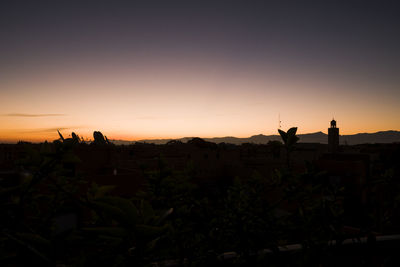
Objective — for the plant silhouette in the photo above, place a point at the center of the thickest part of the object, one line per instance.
(289, 139)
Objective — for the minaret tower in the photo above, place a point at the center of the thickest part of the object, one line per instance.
(333, 137)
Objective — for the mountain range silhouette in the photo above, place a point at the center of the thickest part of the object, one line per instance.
(318, 137)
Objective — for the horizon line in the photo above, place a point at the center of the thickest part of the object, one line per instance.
(186, 137)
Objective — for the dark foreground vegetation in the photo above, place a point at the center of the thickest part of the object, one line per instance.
(51, 214)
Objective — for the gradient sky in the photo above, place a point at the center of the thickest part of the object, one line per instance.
(169, 69)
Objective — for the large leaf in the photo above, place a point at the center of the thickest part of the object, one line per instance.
(108, 231)
(111, 211)
(292, 131)
(28, 247)
(164, 215)
(34, 239)
(62, 137)
(147, 211)
(289, 137)
(75, 138)
(150, 231)
(292, 139)
(283, 135)
(130, 212)
(101, 191)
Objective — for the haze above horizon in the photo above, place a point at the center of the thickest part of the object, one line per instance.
(161, 69)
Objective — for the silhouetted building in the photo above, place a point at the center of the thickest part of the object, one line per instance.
(333, 137)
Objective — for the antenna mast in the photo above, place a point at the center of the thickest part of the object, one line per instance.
(279, 120)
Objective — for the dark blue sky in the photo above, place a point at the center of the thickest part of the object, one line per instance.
(317, 34)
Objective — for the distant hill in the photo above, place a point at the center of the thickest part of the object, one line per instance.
(379, 137)
(318, 137)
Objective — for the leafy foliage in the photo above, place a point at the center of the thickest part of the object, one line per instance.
(52, 215)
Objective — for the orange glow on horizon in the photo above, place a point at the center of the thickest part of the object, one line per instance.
(174, 101)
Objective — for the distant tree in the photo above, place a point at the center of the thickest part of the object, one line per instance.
(100, 139)
(174, 142)
(198, 142)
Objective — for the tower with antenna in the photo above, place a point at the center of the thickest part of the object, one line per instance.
(333, 137)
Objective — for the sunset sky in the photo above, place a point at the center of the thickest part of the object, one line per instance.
(170, 69)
